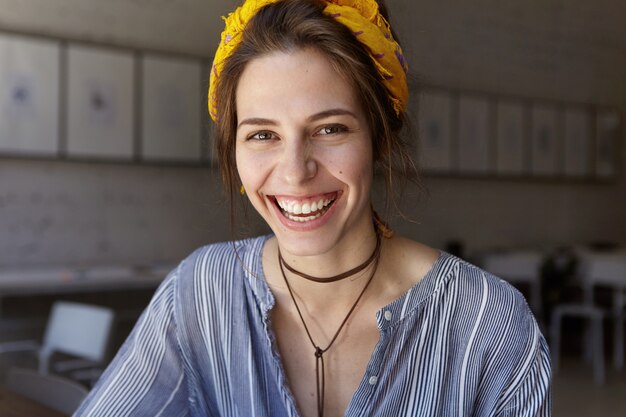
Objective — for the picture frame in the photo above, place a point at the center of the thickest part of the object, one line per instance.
(435, 131)
(171, 109)
(608, 126)
(29, 96)
(577, 140)
(101, 103)
(545, 137)
(474, 135)
(511, 138)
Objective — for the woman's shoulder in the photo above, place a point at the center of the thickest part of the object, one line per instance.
(218, 264)
(216, 256)
(475, 301)
(487, 309)
(489, 291)
(442, 276)
(476, 293)
(215, 279)
(499, 329)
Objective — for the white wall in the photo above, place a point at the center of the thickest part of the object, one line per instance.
(58, 212)
(570, 51)
(188, 26)
(80, 213)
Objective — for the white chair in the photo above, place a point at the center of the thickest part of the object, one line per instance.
(608, 270)
(619, 317)
(55, 392)
(519, 267)
(80, 330)
(596, 269)
(594, 341)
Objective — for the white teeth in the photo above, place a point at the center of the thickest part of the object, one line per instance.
(303, 219)
(292, 208)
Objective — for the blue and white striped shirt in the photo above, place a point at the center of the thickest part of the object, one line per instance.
(459, 343)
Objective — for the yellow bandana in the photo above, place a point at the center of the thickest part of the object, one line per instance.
(362, 17)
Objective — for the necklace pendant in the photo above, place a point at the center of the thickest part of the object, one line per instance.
(318, 352)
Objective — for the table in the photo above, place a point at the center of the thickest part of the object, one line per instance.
(40, 281)
(15, 405)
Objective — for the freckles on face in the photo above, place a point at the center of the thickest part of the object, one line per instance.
(252, 167)
(303, 148)
(285, 95)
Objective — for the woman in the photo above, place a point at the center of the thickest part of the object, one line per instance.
(331, 315)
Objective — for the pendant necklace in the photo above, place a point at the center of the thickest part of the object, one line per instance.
(318, 351)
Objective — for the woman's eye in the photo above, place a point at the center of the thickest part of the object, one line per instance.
(262, 136)
(331, 130)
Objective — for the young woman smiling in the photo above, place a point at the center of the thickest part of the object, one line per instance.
(332, 314)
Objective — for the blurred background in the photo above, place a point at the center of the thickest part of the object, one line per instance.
(107, 177)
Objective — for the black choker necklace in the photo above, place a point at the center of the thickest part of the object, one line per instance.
(318, 351)
(338, 277)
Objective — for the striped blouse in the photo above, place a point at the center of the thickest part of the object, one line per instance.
(459, 343)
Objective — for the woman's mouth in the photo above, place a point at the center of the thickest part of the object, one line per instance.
(305, 210)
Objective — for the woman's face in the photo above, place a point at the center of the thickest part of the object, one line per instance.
(304, 152)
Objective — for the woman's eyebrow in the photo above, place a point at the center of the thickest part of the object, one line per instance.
(255, 121)
(330, 112)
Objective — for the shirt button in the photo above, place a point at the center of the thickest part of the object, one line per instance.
(373, 380)
(388, 315)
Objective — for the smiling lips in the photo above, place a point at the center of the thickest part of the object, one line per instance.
(305, 210)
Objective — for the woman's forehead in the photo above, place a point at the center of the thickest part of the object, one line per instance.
(299, 81)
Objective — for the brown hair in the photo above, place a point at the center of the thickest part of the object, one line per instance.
(297, 24)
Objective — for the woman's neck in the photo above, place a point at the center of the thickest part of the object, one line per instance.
(326, 307)
(324, 265)
(344, 256)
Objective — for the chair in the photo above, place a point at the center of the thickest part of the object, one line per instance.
(58, 393)
(75, 329)
(609, 270)
(594, 341)
(619, 317)
(597, 269)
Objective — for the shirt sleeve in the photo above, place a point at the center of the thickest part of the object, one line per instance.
(532, 397)
(147, 376)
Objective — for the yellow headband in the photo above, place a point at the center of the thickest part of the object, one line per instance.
(362, 17)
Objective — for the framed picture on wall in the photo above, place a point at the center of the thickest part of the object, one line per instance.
(435, 131)
(474, 135)
(171, 109)
(606, 143)
(29, 95)
(510, 137)
(544, 140)
(100, 113)
(577, 139)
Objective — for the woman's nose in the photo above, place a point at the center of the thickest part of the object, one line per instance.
(297, 163)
